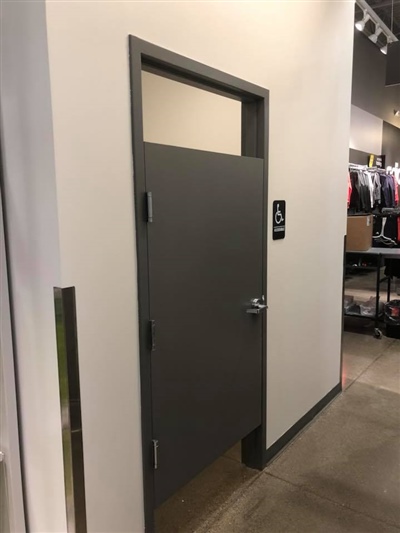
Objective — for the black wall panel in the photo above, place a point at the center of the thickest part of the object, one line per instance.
(358, 157)
(393, 64)
(369, 76)
(391, 144)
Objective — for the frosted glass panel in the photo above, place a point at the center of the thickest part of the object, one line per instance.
(181, 115)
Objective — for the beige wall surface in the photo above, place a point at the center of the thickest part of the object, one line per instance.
(302, 53)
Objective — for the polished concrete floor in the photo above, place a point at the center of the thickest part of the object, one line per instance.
(341, 474)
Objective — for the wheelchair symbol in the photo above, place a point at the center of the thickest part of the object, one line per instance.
(278, 216)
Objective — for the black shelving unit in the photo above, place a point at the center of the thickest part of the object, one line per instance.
(379, 254)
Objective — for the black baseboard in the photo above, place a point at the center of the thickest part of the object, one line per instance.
(300, 424)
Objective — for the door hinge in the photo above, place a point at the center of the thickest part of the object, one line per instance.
(155, 454)
(149, 200)
(153, 335)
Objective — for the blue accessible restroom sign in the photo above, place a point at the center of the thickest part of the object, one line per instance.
(278, 219)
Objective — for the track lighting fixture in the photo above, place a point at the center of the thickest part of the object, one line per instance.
(381, 29)
(360, 25)
(374, 36)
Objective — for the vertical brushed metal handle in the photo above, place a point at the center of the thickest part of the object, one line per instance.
(70, 400)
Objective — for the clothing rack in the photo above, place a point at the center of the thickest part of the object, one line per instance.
(354, 166)
(372, 191)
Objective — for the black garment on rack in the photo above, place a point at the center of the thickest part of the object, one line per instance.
(355, 202)
(390, 230)
(365, 194)
(360, 200)
(388, 193)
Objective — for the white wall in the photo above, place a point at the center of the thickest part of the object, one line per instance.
(12, 518)
(287, 47)
(30, 194)
(306, 63)
(366, 131)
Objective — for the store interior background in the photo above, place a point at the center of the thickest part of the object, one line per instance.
(68, 154)
(374, 127)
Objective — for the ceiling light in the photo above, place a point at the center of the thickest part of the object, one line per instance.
(385, 48)
(360, 25)
(374, 36)
(397, 112)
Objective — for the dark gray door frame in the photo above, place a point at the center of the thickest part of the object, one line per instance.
(147, 57)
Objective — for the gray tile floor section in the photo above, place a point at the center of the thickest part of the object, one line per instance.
(341, 474)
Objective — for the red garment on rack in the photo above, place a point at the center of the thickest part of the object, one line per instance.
(398, 230)
(396, 197)
(396, 190)
(349, 189)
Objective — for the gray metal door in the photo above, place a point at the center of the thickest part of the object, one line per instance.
(205, 247)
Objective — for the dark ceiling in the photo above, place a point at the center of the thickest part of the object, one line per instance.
(383, 8)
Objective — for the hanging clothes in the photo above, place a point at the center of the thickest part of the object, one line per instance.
(376, 181)
(387, 190)
(361, 200)
(373, 190)
(355, 199)
(396, 200)
(396, 172)
(349, 189)
(370, 185)
(396, 190)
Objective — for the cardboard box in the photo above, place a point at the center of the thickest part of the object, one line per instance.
(359, 233)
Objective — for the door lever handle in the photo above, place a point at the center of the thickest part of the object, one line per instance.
(256, 310)
(257, 306)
